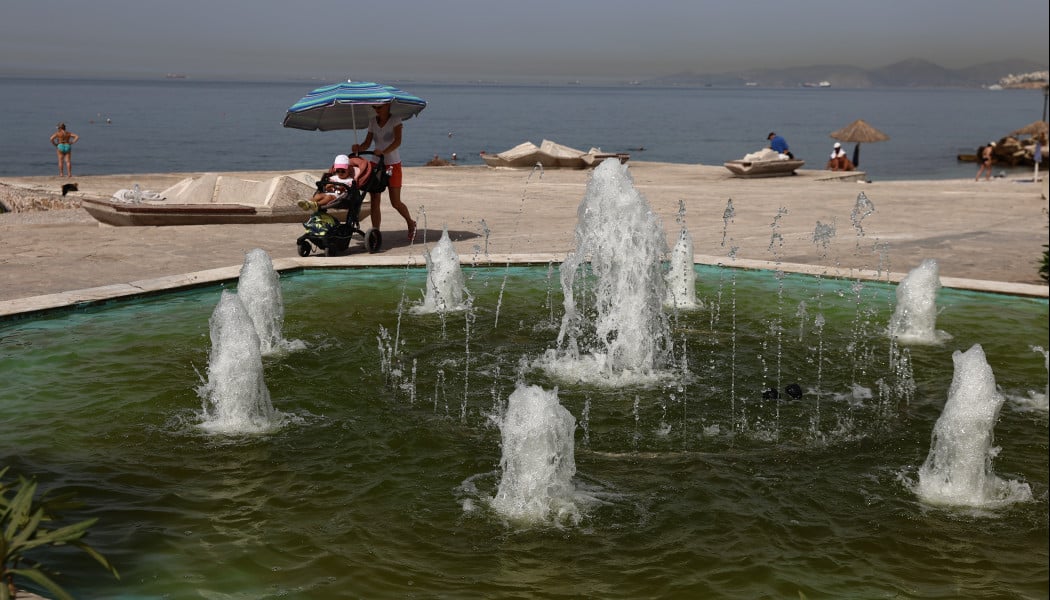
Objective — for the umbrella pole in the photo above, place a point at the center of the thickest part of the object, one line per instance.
(856, 155)
(353, 118)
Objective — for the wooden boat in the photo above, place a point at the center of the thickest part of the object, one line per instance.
(550, 155)
(763, 168)
(523, 156)
(561, 156)
(118, 213)
(212, 200)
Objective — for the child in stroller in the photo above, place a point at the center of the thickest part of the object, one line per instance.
(342, 187)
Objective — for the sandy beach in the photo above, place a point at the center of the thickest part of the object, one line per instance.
(990, 234)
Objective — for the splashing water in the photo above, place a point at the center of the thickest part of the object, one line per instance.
(958, 470)
(538, 460)
(446, 288)
(260, 290)
(861, 210)
(914, 318)
(1035, 401)
(235, 397)
(681, 278)
(617, 333)
(1046, 389)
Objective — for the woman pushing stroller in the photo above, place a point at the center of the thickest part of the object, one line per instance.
(385, 130)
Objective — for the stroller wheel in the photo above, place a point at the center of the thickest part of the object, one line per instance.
(304, 248)
(373, 241)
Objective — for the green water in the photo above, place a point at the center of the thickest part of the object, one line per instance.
(376, 485)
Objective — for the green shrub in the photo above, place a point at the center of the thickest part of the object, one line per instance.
(23, 521)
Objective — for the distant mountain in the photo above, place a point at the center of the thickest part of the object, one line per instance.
(919, 73)
(906, 73)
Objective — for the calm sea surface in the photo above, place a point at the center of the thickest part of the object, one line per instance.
(185, 125)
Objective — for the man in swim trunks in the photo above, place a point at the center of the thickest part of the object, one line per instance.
(63, 142)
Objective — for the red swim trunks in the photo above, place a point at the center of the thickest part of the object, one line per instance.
(395, 175)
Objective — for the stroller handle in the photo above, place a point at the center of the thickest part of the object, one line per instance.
(382, 157)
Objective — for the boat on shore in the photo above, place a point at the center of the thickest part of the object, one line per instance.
(150, 214)
(550, 155)
(763, 163)
(524, 155)
(763, 168)
(211, 199)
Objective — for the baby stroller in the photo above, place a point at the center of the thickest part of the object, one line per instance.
(325, 231)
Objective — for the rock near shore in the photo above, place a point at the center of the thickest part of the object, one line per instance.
(1017, 153)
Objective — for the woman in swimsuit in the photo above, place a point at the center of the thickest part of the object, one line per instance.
(986, 162)
(63, 142)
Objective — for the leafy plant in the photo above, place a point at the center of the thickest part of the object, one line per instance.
(23, 517)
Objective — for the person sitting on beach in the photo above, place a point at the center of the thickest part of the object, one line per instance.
(63, 142)
(779, 144)
(437, 161)
(838, 160)
(342, 172)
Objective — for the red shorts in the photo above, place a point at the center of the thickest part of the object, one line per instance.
(395, 175)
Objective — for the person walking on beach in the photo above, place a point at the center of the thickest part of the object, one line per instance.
(985, 160)
(63, 142)
(779, 144)
(385, 130)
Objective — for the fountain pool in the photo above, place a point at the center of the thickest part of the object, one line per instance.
(378, 482)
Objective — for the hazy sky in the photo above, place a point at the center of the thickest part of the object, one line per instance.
(470, 39)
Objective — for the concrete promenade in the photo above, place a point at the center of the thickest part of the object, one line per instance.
(984, 235)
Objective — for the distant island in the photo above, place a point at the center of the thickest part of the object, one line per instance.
(1015, 73)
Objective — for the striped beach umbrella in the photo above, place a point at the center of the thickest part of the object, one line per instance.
(348, 105)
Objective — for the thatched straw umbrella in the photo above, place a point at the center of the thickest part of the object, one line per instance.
(860, 132)
(1034, 129)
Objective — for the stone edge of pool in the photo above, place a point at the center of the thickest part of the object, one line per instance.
(37, 305)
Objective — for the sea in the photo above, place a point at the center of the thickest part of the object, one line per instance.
(185, 125)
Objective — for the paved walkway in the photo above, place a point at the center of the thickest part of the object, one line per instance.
(986, 235)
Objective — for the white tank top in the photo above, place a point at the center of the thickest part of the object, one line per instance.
(384, 136)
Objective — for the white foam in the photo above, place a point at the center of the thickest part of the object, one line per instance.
(538, 461)
(446, 287)
(914, 319)
(235, 397)
(617, 327)
(259, 289)
(958, 470)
